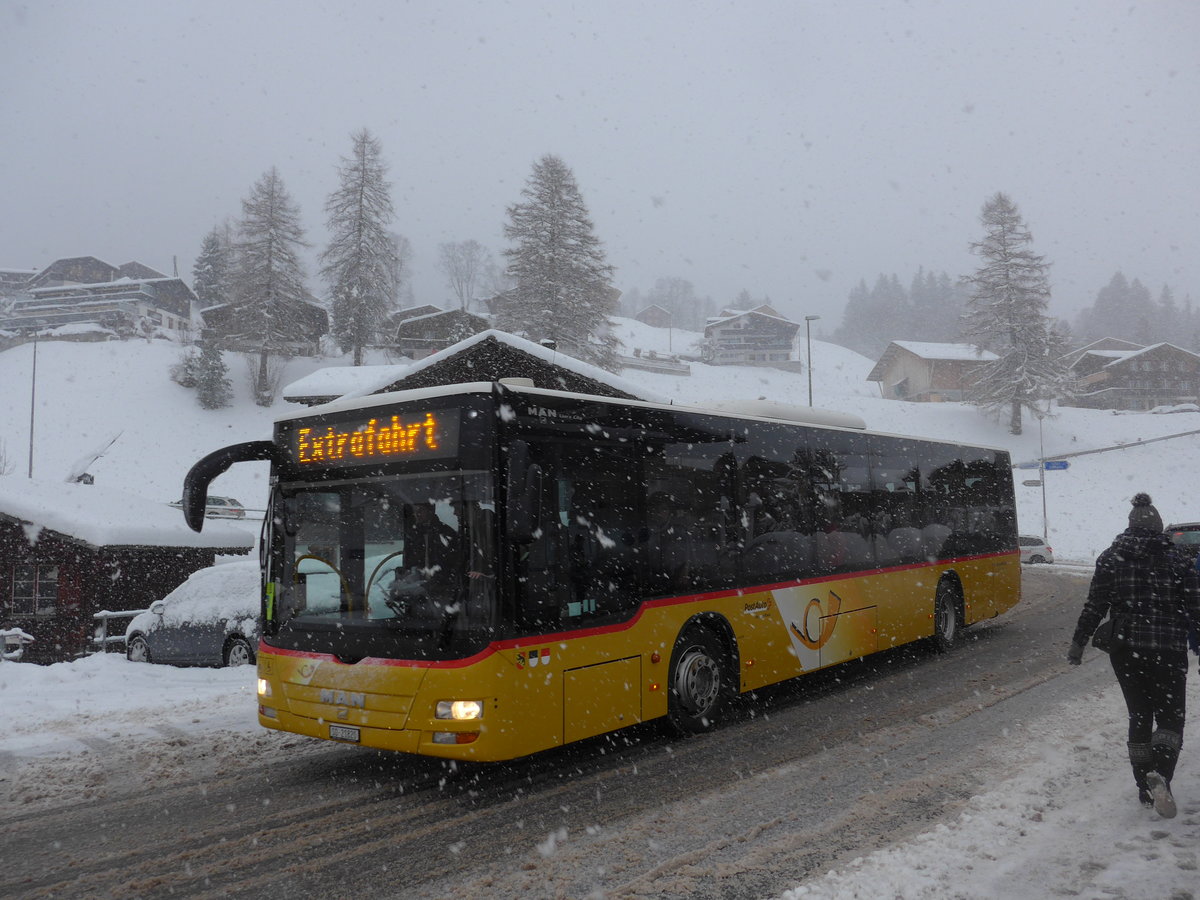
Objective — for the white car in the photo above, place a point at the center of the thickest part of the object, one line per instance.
(1034, 549)
(209, 620)
(219, 508)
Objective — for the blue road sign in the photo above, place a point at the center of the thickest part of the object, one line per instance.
(1057, 464)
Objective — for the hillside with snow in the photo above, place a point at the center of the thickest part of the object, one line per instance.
(89, 393)
(1059, 826)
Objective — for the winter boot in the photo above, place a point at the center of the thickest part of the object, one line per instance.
(1164, 802)
(1141, 758)
(1166, 746)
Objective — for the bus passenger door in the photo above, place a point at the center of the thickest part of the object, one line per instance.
(531, 538)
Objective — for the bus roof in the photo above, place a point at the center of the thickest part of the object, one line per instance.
(754, 409)
(764, 410)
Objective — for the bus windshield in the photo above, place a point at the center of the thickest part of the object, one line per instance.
(400, 567)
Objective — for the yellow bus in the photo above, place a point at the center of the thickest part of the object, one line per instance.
(484, 571)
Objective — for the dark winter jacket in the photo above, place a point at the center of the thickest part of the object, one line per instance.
(1150, 588)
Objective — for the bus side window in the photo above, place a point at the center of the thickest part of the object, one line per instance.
(536, 553)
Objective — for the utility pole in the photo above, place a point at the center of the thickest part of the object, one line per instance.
(1042, 471)
(808, 320)
(33, 396)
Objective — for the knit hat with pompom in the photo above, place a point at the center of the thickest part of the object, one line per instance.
(1144, 515)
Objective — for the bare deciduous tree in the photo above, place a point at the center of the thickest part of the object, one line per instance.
(465, 264)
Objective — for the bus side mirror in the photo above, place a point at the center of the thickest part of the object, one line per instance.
(198, 478)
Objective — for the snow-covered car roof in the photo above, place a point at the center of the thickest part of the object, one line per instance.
(225, 592)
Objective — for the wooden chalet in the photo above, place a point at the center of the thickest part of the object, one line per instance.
(424, 333)
(311, 318)
(753, 337)
(68, 551)
(1109, 377)
(655, 316)
(927, 372)
(86, 290)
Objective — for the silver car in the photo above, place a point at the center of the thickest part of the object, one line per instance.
(1185, 535)
(209, 620)
(1034, 549)
(218, 508)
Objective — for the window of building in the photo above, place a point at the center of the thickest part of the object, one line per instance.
(34, 590)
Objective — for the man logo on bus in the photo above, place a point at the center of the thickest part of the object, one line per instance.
(344, 698)
(817, 627)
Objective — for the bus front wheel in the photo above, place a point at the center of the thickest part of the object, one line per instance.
(700, 682)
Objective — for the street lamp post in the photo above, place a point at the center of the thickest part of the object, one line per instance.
(33, 397)
(808, 320)
(1042, 471)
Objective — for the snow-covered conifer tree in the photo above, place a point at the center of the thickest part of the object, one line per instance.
(185, 372)
(268, 286)
(563, 289)
(210, 273)
(361, 263)
(1006, 314)
(213, 388)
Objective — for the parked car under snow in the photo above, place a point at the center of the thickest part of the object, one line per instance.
(209, 620)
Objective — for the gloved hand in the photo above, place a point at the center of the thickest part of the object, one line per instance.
(1075, 654)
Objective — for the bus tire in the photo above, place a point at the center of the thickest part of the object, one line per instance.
(700, 683)
(238, 652)
(947, 622)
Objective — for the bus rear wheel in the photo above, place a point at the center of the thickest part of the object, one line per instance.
(700, 683)
(946, 620)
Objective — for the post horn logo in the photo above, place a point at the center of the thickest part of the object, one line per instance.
(820, 619)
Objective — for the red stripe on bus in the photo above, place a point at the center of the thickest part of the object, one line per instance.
(537, 642)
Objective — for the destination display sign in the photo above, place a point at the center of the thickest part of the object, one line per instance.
(375, 438)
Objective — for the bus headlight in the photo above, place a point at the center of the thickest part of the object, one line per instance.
(459, 710)
(264, 688)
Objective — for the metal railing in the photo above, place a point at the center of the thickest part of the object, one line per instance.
(101, 639)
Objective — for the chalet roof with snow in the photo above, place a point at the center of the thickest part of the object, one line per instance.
(928, 351)
(412, 312)
(103, 517)
(729, 315)
(1106, 358)
(89, 270)
(488, 356)
(332, 382)
(1100, 346)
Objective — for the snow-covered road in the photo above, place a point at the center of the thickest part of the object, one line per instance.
(937, 776)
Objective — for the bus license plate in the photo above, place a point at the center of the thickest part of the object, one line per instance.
(343, 733)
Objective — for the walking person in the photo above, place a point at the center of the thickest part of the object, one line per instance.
(1151, 591)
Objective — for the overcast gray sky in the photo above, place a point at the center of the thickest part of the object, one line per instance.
(788, 148)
